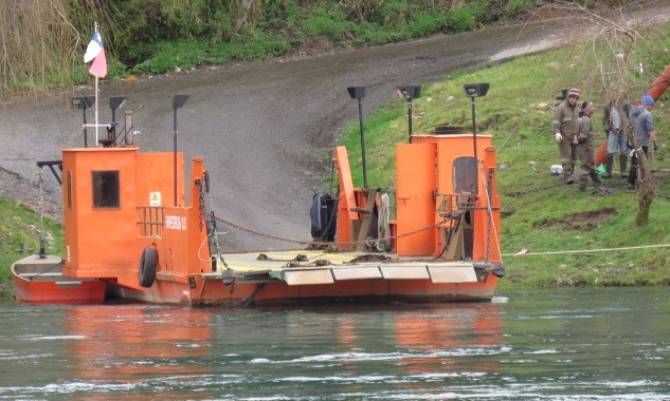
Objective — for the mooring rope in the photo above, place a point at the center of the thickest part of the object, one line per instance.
(524, 252)
(317, 243)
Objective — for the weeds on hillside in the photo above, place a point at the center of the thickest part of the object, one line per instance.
(37, 43)
(19, 235)
(43, 40)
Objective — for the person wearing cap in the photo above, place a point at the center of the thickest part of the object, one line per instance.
(585, 147)
(613, 123)
(643, 125)
(565, 131)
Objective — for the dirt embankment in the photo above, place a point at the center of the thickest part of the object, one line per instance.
(26, 191)
(264, 128)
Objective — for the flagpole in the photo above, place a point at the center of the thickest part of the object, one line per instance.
(95, 29)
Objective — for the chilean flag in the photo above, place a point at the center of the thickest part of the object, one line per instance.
(96, 52)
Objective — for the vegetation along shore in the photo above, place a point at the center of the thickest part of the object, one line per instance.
(42, 41)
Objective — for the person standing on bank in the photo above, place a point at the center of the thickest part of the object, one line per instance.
(616, 139)
(565, 128)
(643, 125)
(585, 147)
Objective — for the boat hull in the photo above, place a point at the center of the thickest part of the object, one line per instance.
(216, 292)
(41, 281)
(50, 292)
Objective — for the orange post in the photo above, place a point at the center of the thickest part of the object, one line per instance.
(346, 201)
(415, 201)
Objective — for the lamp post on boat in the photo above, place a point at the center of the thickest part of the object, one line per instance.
(409, 93)
(178, 101)
(83, 103)
(475, 91)
(115, 103)
(358, 93)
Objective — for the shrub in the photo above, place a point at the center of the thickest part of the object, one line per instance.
(462, 20)
(329, 23)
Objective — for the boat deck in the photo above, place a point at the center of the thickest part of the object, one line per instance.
(36, 269)
(301, 267)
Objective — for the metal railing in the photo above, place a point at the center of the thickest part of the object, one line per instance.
(151, 221)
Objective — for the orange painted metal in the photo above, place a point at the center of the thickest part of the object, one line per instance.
(346, 201)
(48, 292)
(103, 242)
(415, 200)
(107, 243)
(245, 293)
(448, 149)
(660, 84)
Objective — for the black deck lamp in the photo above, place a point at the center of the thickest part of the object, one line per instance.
(475, 91)
(409, 93)
(115, 103)
(83, 103)
(358, 93)
(178, 101)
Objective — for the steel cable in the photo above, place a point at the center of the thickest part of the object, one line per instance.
(318, 243)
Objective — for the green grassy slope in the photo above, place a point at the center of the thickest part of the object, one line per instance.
(19, 229)
(540, 220)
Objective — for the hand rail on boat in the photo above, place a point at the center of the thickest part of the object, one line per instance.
(151, 220)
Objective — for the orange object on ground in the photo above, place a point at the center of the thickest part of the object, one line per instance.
(660, 84)
(601, 154)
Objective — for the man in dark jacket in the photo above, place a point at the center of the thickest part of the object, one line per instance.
(643, 124)
(613, 123)
(565, 132)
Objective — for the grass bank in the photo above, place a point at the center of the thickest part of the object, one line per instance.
(19, 229)
(540, 213)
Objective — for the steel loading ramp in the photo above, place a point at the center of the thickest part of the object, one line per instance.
(301, 267)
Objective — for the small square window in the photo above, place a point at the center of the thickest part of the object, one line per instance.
(106, 189)
(464, 174)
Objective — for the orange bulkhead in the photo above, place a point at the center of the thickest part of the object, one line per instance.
(442, 210)
(118, 201)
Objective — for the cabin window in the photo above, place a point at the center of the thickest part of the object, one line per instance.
(105, 189)
(69, 189)
(464, 175)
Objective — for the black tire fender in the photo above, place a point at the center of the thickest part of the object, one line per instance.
(148, 264)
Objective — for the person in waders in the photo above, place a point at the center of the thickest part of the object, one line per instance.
(616, 139)
(585, 147)
(565, 132)
(643, 124)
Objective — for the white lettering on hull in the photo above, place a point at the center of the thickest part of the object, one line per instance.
(175, 223)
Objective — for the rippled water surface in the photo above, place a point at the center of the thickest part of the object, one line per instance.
(609, 344)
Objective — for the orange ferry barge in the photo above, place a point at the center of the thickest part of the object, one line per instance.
(132, 230)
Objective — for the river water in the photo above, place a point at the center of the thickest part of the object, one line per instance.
(609, 344)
